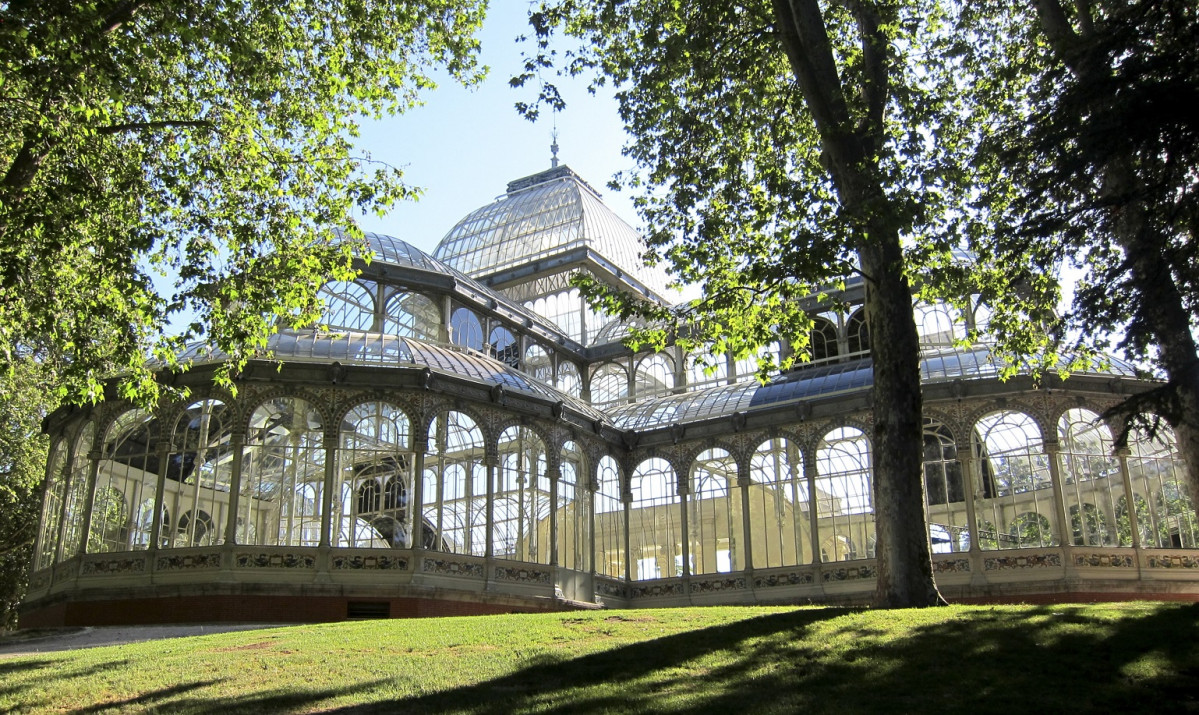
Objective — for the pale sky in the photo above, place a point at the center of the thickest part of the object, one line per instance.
(464, 146)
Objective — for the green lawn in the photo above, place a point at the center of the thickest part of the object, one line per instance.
(1002, 659)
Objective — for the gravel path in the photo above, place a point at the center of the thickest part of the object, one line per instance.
(57, 639)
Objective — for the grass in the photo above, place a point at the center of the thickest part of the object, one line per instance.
(1001, 659)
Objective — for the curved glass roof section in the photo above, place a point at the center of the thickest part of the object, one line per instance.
(811, 383)
(544, 215)
(376, 349)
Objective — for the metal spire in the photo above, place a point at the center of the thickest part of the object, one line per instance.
(554, 146)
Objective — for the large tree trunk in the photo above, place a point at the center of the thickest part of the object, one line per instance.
(905, 577)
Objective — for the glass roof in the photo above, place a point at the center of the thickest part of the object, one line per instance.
(541, 216)
(358, 348)
(809, 383)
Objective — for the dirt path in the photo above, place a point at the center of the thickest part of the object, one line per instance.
(49, 640)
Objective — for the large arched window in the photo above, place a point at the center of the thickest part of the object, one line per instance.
(778, 505)
(844, 495)
(655, 534)
(199, 475)
(714, 514)
(573, 512)
(412, 315)
(284, 455)
(937, 325)
(706, 370)
(127, 477)
(609, 521)
(58, 474)
(454, 486)
(375, 468)
(1015, 482)
(522, 498)
(1158, 480)
(1091, 481)
(349, 305)
(948, 522)
(73, 527)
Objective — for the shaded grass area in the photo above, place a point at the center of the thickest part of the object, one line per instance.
(1109, 657)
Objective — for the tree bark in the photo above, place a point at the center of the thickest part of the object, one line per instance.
(905, 577)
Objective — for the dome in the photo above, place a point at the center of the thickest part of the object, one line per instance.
(544, 216)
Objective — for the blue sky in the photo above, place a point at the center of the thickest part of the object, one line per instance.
(464, 145)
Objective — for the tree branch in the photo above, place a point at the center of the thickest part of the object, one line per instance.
(143, 126)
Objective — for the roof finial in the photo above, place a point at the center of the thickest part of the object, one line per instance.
(554, 146)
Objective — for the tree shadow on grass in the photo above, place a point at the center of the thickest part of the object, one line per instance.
(991, 660)
(154, 697)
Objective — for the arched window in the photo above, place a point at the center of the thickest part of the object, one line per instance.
(844, 495)
(948, 523)
(284, 451)
(778, 505)
(857, 337)
(714, 514)
(199, 473)
(375, 464)
(573, 512)
(609, 383)
(1159, 480)
(467, 329)
(503, 346)
(655, 532)
(56, 486)
(349, 305)
(609, 521)
(412, 315)
(1091, 479)
(73, 527)
(568, 380)
(705, 370)
(523, 491)
(823, 339)
(1014, 472)
(936, 325)
(454, 486)
(538, 364)
(655, 376)
(128, 469)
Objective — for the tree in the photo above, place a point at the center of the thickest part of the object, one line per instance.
(786, 145)
(181, 159)
(1088, 154)
(25, 398)
(189, 159)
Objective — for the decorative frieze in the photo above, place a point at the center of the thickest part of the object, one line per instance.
(611, 589)
(788, 578)
(951, 566)
(275, 561)
(1120, 561)
(849, 573)
(658, 590)
(720, 584)
(446, 567)
(107, 567)
(522, 575)
(358, 562)
(1181, 561)
(188, 562)
(1001, 563)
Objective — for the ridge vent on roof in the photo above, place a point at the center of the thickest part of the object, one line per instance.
(545, 177)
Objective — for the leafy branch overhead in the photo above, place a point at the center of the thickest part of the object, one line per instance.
(166, 161)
